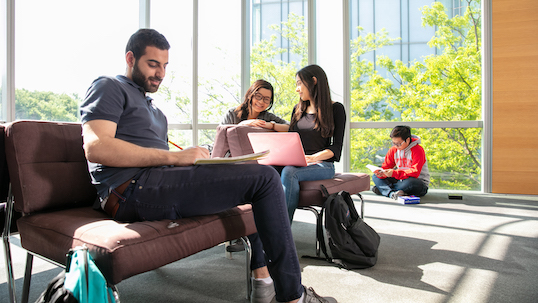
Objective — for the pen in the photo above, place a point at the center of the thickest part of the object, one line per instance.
(175, 144)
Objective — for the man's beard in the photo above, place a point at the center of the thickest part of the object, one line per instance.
(144, 82)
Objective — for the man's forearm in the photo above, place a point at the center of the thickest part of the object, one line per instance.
(118, 153)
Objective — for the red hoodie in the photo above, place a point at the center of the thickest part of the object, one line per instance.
(410, 162)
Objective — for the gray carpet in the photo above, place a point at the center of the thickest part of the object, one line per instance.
(483, 248)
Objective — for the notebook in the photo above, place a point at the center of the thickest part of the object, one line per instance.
(285, 148)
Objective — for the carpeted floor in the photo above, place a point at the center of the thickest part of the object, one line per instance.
(483, 248)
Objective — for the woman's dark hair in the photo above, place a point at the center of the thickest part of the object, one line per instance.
(245, 108)
(320, 95)
(401, 131)
(145, 37)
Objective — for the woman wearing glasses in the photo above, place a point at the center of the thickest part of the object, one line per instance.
(254, 109)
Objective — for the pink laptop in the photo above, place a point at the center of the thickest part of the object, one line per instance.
(284, 148)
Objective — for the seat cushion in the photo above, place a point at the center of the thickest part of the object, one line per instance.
(122, 250)
(311, 195)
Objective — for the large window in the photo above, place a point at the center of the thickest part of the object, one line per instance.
(279, 48)
(3, 49)
(219, 68)
(414, 62)
(61, 47)
(404, 73)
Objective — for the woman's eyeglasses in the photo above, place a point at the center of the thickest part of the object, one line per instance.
(259, 97)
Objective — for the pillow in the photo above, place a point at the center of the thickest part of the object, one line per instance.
(220, 147)
(238, 141)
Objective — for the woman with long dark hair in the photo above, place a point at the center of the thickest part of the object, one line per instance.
(321, 124)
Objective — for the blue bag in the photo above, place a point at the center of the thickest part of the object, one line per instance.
(84, 280)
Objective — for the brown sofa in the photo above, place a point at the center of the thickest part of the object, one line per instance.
(51, 187)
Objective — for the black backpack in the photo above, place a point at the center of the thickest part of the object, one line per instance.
(352, 242)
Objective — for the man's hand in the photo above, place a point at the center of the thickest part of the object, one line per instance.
(187, 156)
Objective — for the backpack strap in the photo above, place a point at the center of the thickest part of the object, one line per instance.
(319, 225)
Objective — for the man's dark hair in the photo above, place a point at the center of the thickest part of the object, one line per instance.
(146, 37)
(401, 131)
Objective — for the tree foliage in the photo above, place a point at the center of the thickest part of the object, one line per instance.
(265, 63)
(440, 87)
(39, 105)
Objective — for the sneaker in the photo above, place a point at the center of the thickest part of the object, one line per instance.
(236, 246)
(394, 195)
(312, 297)
(376, 190)
(262, 292)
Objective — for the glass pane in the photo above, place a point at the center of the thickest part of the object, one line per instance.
(174, 20)
(61, 48)
(428, 87)
(3, 109)
(219, 59)
(279, 48)
(181, 138)
(206, 136)
(453, 154)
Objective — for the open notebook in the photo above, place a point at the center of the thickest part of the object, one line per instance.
(285, 148)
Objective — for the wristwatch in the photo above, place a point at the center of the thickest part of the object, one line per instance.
(273, 122)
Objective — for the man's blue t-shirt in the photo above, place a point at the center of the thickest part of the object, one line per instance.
(123, 102)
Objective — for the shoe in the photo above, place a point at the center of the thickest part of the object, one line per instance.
(376, 191)
(262, 292)
(236, 246)
(396, 194)
(312, 297)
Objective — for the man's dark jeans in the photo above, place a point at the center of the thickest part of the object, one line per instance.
(178, 192)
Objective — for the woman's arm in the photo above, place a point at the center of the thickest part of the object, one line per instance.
(339, 116)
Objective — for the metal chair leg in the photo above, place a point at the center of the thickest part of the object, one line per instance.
(318, 224)
(227, 253)
(248, 251)
(27, 278)
(7, 248)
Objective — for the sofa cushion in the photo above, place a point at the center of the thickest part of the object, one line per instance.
(311, 195)
(220, 146)
(122, 250)
(238, 139)
(47, 166)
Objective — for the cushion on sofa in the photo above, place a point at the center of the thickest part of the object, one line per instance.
(311, 195)
(238, 139)
(122, 250)
(47, 166)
